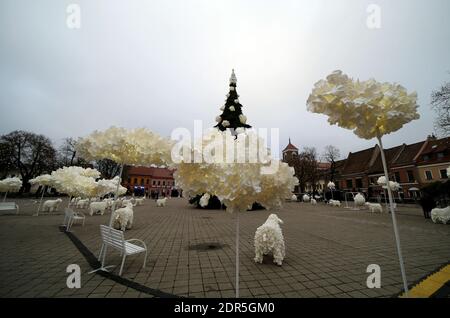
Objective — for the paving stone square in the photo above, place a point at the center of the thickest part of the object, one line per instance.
(192, 252)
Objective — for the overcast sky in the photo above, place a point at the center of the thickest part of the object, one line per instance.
(163, 64)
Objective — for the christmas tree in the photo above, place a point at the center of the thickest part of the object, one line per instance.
(232, 116)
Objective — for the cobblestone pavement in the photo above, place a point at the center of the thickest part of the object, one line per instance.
(328, 251)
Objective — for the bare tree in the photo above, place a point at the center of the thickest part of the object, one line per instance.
(67, 154)
(108, 168)
(306, 168)
(312, 165)
(331, 154)
(440, 103)
(27, 154)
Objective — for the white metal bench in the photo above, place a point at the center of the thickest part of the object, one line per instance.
(9, 206)
(115, 239)
(70, 217)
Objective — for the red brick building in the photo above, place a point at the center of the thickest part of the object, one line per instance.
(413, 166)
(149, 180)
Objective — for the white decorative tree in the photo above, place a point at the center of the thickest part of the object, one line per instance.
(138, 146)
(10, 185)
(236, 181)
(45, 181)
(370, 109)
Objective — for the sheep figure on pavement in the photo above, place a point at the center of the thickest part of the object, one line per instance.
(334, 203)
(98, 207)
(161, 202)
(82, 204)
(374, 207)
(441, 215)
(123, 217)
(269, 239)
(51, 205)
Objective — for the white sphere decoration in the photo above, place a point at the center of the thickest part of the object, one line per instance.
(225, 123)
(218, 119)
(222, 108)
(231, 88)
(242, 119)
(232, 108)
(359, 199)
(236, 101)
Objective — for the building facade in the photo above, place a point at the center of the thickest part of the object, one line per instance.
(412, 166)
(149, 181)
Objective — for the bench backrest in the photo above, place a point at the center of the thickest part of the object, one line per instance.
(7, 205)
(112, 237)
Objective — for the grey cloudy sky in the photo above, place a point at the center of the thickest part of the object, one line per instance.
(162, 64)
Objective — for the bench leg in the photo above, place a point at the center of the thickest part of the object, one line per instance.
(145, 259)
(123, 262)
(101, 252)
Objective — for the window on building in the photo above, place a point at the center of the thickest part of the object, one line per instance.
(397, 176)
(159, 182)
(164, 183)
(440, 155)
(148, 181)
(349, 183)
(154, 182)
(359, 183)
(428, 175)
(135, 181)
(443, 173)
(410, 176)
(426, 157)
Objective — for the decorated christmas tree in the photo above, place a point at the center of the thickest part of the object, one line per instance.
(232, 116)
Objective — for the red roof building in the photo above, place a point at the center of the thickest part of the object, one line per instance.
(149, 180)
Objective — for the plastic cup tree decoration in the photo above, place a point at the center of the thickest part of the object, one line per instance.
(105, 186)
(45, 181)
(229, 174)
(331, 186)
(370, 109)
(10, 185)
(138, 146)
(75, 181)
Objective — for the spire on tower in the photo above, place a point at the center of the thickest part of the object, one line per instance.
(233, 79)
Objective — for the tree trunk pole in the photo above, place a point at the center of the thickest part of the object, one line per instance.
(237, 255)
(40, 202)
(116, 195)
(394, 221)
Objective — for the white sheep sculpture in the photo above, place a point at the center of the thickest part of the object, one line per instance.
(269, 239)
(161, 202)
(441, 215)
(51, 205)
(374, 207)
(123, 218)
(98, 207)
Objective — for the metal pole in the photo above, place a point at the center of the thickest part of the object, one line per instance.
(4, 198)
(40, 202)
(394, 221)
(116, 195)
(237, 254)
